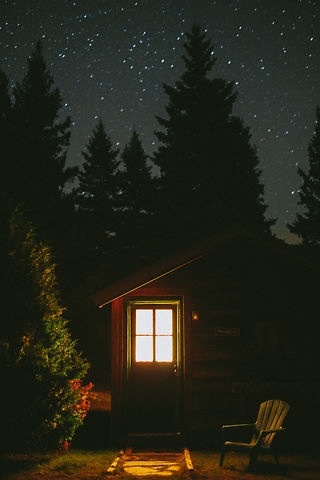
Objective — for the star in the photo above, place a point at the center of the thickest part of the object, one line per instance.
(110, 59)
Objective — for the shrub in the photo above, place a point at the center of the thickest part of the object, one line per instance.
(45, 400)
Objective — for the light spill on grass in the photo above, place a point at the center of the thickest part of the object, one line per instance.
(71, 461)
(75, 464)
(93, 465)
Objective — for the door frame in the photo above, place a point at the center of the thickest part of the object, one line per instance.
(177, 303)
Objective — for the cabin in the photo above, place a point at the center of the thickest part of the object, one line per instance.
(199, 339)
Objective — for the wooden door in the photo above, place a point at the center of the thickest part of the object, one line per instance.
(154, 367)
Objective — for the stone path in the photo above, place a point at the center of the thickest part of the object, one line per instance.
(156, 463)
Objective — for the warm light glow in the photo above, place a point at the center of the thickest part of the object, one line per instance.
(144, 349)
(144, 322)
(163, 322)
(164, 349)
(195, 315)
(154, 335)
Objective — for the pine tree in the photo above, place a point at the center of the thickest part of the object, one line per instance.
(7, 177)
(96, 195)
(135, 179)
(40, 362)
(307, 224)
(209, 170)
(41, 141)
(135, 206)
(6, 141)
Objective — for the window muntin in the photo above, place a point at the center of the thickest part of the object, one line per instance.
(153, 334)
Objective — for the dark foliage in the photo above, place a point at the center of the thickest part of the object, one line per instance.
(39, 360)
(137, 188)
(38, 173)
(209, 170)
(95, 200)
(307, 224)
(7, 142)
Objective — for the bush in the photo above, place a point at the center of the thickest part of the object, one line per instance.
(45, 401)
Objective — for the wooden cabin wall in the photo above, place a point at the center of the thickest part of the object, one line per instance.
(251, 341)
(118, 369)
(256, 338)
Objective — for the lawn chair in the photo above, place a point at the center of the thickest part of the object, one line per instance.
(269, 422)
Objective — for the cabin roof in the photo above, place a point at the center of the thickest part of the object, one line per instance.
(165, 266)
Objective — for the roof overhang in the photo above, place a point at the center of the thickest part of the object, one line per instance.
(195, 252)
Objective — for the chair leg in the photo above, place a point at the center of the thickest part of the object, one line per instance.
(222, 457)
(253, 460)
(275, 452)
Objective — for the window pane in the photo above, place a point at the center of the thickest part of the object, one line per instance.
(144, 349)
(164, 349)
(163, 322)
(144, 324)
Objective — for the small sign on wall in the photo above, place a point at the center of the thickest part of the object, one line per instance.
(227, 331)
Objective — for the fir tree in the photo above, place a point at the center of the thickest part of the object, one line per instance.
(40, 362)
(135, 179)
(6, 140)
(307, 224)
(96, 195)
(209, 170)
(98, 174)
(135, 207)
(41, 147)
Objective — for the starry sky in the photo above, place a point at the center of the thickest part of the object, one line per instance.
(110, 58)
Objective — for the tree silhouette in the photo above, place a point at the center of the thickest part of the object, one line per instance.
(7, 177)
(96, 197)
(209, 170)
(135, 205)
(40, 148)
(307, 224)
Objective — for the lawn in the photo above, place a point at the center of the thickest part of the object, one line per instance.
(91, 455)
(93, 465)
(73, 465)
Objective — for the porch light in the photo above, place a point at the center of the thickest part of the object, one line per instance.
(195, 316)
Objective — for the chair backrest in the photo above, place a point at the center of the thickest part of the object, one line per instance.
(271, 416)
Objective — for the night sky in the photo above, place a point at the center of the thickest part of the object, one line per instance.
(110, 58)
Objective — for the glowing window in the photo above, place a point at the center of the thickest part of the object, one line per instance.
(144, 322)
(163, 322)
(163, 349)
(144, 349)
(154, 335)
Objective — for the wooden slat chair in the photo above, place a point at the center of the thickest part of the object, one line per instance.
(269, 422)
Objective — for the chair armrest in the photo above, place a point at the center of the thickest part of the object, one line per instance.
(238, 425)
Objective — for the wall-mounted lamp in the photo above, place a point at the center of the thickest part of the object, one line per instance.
(195, 315)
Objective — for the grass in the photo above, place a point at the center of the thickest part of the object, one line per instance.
(93, 465)
(298, 466)
(74, 465)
